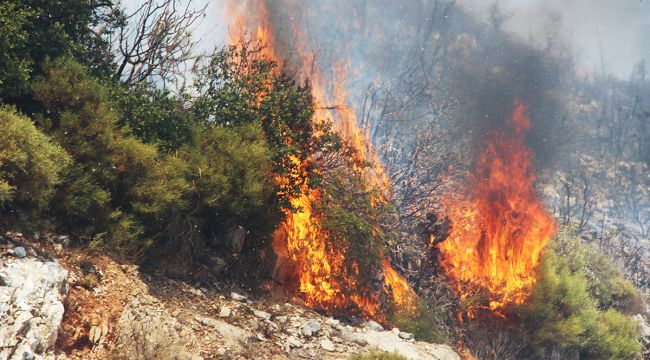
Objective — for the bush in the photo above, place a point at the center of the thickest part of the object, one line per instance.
(31, 164)
(562, 315)
(426, 324)
(155, 116)
(605, 280)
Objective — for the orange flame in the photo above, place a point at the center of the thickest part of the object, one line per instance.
(499, 232)
(323, 278)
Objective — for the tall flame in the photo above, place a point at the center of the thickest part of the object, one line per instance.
(324, 280)
(500, 229)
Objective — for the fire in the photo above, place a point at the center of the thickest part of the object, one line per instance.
(500, 229)
(323, 278)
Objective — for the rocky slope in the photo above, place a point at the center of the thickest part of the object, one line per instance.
(73, 306)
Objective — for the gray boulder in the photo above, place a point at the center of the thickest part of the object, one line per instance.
(31, 307)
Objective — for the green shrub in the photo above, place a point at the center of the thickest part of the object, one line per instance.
(155, 116)
(31, 164)
(563, 315)
(605, 280)
(426, 324)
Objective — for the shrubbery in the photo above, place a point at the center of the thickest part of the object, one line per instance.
(31, 164)
(569, 316)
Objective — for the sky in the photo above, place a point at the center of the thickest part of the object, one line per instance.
(613, 35)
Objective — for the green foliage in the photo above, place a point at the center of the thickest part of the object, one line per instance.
(31, 164)
(14, 65)
(155, 116)
(562, 315)
(33, 30)
(81, 119)
(377, 355)
(240, 86)
(427, 323)
(606, 283)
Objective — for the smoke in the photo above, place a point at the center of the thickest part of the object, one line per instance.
(457, 63)
(602, 35)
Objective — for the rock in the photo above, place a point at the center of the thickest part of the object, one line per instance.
(145, 332)
(221, 351)
(294, 342)
(20, 252)
(332, 322)
(225, 312)
(310, 327)
(441, 352)
(405, 335)
(63, 240)
(373, 325)
(328, 345)
(395, 331)
(262, 314)
(31, 307)
(281, 319)
(237, 297)
(236, 239)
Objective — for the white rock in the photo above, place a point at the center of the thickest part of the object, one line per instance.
(281, 319)
(225, 312)
(237, 297)
(31, 306)
(328, 345)
(373, 325)
(395, 331)
(333, 322)
(294, 342)
(262, 314)
(405, 335)
(310, 327)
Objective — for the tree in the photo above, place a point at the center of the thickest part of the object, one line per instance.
(33, 30)
(155, 42)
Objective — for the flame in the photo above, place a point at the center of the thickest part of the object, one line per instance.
(500, 229)
(324, 280)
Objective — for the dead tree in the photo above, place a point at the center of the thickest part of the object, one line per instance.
(155, 42)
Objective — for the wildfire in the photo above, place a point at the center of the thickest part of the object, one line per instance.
(500, 229)
(324, 280)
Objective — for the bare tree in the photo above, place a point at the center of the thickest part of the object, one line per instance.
(577, 200)
(155, 41)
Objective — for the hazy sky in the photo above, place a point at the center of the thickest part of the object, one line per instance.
(620, 29)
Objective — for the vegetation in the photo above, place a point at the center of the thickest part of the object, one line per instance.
(426, 324)
(569, 315)
(93, 144)
(31, 164)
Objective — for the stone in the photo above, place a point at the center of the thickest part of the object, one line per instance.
(262, 314)
(310, 327)
(406, 336)
(225, 312)
(294, 342)
(373, 325)
(327, 345)
(32, 307)
(20, 252)
(221, 351)
(281, 319)
(236, 239)
(395, 331)
(332, 322)
(237, 297)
